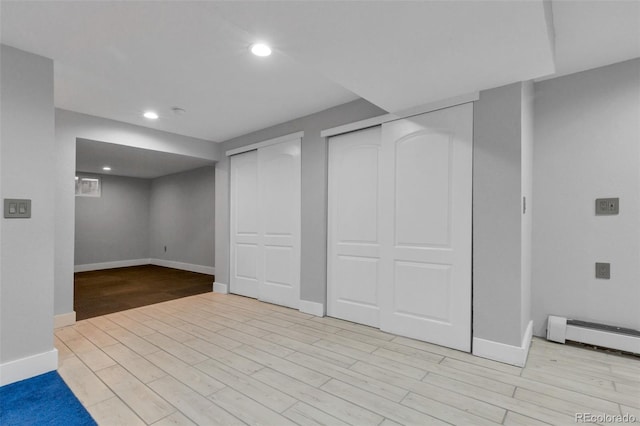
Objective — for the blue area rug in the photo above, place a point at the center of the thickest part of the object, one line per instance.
(41, 400)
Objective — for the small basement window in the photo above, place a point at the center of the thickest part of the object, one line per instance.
(88, 186)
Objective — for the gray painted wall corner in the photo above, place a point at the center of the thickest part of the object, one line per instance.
(182, 217)
(114, 226)
(497, 223)
(27, 245)
(587, 133)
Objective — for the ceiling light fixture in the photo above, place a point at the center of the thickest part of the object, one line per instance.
(260, 49)
(151, 115)
(106, 168)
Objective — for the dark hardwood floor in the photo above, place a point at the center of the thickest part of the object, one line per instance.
(112, 290)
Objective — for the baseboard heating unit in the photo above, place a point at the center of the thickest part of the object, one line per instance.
(560, 329)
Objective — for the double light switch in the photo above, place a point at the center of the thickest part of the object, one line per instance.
(17, 208)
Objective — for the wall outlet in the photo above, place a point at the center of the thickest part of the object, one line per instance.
(603, 270)
(607, 206)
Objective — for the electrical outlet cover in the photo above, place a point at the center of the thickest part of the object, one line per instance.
(607, 206)
(603, 270)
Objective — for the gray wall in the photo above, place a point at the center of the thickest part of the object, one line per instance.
(313, 276)
(587, 131)
(135, 218)
(182, 211)
(526, 230)
(26, 170)
(71, 125)
(497, 215)
(114, 226)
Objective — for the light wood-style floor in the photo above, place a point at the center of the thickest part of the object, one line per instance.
(222, 359)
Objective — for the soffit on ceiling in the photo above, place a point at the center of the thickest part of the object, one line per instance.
(129, 161)
(591, 34)
(401, 54)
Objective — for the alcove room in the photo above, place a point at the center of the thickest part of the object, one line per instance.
(144, 232)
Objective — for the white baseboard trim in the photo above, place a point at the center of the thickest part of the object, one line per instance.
(25, 368)
(220, 288)
(138, 262)
(63, 320)
(514, 355)
(110, 265)
(210, 270)
(312, 308)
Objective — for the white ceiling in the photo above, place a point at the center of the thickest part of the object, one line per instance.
(399, 55)
(124, 160)
(590, 34)
(115, 59)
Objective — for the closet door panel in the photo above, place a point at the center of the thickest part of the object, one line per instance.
(279, 223)
(422, 189)
(353, 233)
(245, 235)
(427, 233)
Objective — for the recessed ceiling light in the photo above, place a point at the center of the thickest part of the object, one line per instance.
(260, 49)
(151, 115)
(106, 168)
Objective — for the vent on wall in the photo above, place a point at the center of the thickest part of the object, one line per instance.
(560, 329)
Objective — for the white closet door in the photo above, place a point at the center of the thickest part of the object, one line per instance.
(427, 227)
(354, 237)
(245, 236)
(279, 201)
(399, 243)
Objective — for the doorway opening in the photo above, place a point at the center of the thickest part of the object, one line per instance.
(144, 227)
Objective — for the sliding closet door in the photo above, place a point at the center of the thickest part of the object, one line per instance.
(353, 235)
(265, 224)
(245, 236)
(279, 195)
(399, 243)
(427, 227)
